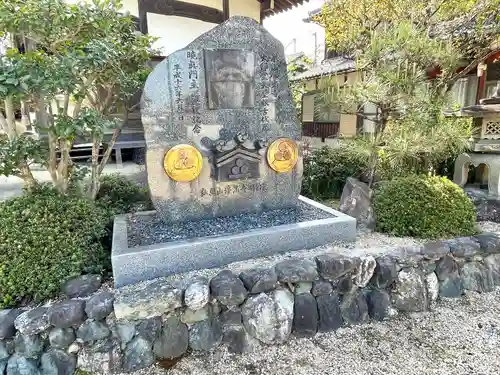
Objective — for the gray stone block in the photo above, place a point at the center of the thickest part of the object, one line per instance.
(132, 265)
(330, 315)
(305, 315)
(296, 270)
(67, 314)
(147, 300)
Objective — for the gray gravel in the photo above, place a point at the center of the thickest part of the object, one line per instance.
(147, 230)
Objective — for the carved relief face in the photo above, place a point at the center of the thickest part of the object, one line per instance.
(230, 78)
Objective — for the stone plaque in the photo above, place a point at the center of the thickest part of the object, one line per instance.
(227, 95)
(229, 75)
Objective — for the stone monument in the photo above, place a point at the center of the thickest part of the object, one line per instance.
(223, 160)
(485, 147)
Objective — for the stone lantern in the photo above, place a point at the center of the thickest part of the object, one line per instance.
(485, 148)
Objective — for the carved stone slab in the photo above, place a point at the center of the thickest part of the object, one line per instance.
(227, 94)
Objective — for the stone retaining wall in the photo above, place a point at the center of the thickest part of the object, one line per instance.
(131, 328)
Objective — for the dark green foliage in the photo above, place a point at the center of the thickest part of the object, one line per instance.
(423, 206)
(47, 238)
(118, 195)
(327, 169)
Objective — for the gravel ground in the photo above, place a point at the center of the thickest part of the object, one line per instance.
(457, 337)
(147, 230)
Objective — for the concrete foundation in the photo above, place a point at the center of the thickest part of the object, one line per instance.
(135, 264)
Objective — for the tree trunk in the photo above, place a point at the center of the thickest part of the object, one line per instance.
(94, 177)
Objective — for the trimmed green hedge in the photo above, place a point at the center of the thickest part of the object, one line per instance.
(423, 206)
(327, 169)
(47, 238)
(118, 194)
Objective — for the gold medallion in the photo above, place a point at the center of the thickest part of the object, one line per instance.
(183, 163)
(282, 155)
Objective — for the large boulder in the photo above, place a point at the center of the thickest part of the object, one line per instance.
(356, 201)
(269, 316)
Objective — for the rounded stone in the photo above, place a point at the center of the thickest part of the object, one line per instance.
(58, 362)
(28, 346)
(67, 313)
(296, 270)
(197, 294)
(61, 338)
(82, 286)
(228, 289)
(150, 328)
(259, 280)
(93, 331)
(138, 355)
(205, 335)
(173, 340)
(18, 365)
(269, 316)
(100, 305)
(7, 318)
(409, 293)
(33, 321)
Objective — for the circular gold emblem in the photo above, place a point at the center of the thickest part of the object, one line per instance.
(183, 163)
(282, 155)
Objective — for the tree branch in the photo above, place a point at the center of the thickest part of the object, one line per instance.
(90, 80)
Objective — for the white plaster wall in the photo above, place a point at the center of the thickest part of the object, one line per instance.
(175, 32)
(247, 8)
(217, 4)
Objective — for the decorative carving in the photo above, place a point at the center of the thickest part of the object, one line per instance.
(282, 155)
(183, 163)
(230, 78)
(237, 158)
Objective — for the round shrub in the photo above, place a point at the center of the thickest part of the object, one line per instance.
(423, 206)
(327, 169)
(120, 194)
(46, 239)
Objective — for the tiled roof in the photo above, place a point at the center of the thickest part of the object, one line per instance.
(328, 67)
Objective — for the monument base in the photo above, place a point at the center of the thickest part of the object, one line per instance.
(137, 259)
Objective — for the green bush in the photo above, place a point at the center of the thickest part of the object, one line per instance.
(47, 238)
(423, 206)
(327, 169)
(118, 194)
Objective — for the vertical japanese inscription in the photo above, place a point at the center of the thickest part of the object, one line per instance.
(179, 103)
(266, 77)
(195, 101)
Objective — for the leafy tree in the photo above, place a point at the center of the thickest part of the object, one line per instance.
(298, 87)
(76, 66)
(396, 43)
